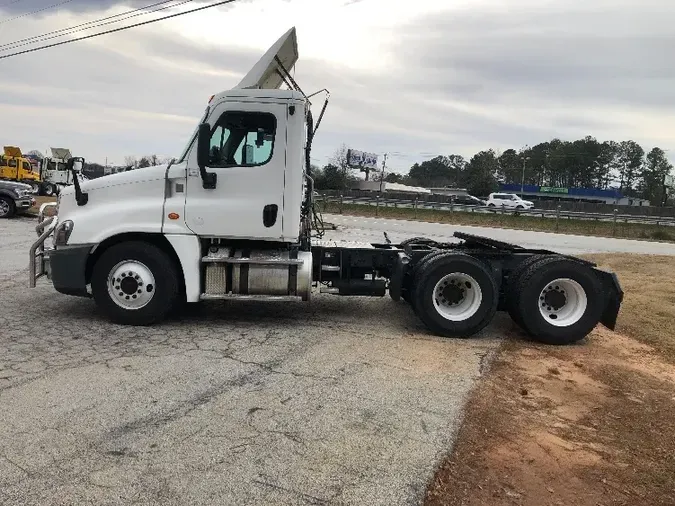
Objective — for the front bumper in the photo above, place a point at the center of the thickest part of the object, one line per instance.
(24, 203)
(67, 267)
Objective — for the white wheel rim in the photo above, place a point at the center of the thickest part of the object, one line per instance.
(131, 284)
(457, 297)
(562, 302)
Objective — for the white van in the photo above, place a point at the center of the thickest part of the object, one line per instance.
(510, 200)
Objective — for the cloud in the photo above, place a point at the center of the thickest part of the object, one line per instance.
(453, 78)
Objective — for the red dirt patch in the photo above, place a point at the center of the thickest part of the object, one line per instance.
(590, 424)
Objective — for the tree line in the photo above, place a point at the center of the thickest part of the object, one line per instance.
(583, 163)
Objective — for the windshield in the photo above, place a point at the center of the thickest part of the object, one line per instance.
(51, 165)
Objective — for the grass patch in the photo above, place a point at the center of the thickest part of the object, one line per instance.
(516, 222)
(648, 310)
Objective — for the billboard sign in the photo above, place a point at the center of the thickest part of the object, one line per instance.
(550, 189)
(361, 159)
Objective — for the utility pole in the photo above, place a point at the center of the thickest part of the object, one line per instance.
(522, 179)
(384, 166)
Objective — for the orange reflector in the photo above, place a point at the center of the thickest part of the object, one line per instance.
(212, 96)
(173, 216)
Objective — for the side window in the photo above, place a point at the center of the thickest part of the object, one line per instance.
(11, 163)
(26, 166)
(3, 162)
(242, 139)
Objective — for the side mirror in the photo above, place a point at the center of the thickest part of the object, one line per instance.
(75, 165)
(203, 145)
(209, 179)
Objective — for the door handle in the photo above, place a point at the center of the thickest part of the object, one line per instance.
(270, 212)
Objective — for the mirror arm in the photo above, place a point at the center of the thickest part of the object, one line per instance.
(209, 179)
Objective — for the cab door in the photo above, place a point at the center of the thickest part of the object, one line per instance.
(248, 156)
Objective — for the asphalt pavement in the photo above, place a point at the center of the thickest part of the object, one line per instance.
(337, 401)
(357, 228)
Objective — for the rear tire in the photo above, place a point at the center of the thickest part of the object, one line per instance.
(455, 295)
(135, 283)
(406, 289)
(511, 286)
(409, 296)
(48, 189)
(558, 301)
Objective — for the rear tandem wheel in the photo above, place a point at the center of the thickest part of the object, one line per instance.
(454, 294)
(557, 300)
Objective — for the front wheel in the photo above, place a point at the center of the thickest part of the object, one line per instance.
(135, 283)
(455, 295)
(7, 207)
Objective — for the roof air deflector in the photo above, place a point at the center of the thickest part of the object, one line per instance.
(267, 74)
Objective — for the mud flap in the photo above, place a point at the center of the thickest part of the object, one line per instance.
(613, 298)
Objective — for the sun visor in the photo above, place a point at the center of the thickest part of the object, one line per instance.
(12, 151)
(61, 153)
(265, 73)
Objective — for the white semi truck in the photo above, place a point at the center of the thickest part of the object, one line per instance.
(54, 172)
(233, 218)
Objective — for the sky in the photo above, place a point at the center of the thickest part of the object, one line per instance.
(413, 79)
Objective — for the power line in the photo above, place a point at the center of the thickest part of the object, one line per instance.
(10, 3)
(72, 29)
(35, 11)
(114, 30)
(15, 45)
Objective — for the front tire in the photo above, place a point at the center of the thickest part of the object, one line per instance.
(558, 301)
(455, 295)
(7, 207)
(135, 283)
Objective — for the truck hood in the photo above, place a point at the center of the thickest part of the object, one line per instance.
(14, 185)
(124, 178)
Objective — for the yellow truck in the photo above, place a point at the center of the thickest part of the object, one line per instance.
(15, 167)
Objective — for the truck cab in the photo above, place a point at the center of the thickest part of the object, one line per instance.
(15, 167)
(225, 218)
(54, 171)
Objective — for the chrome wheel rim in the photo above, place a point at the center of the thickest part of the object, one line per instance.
(4, 207)
(562, 302)
(457, 297)
(131, 285)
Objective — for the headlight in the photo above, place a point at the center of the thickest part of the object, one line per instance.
(62, 233)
